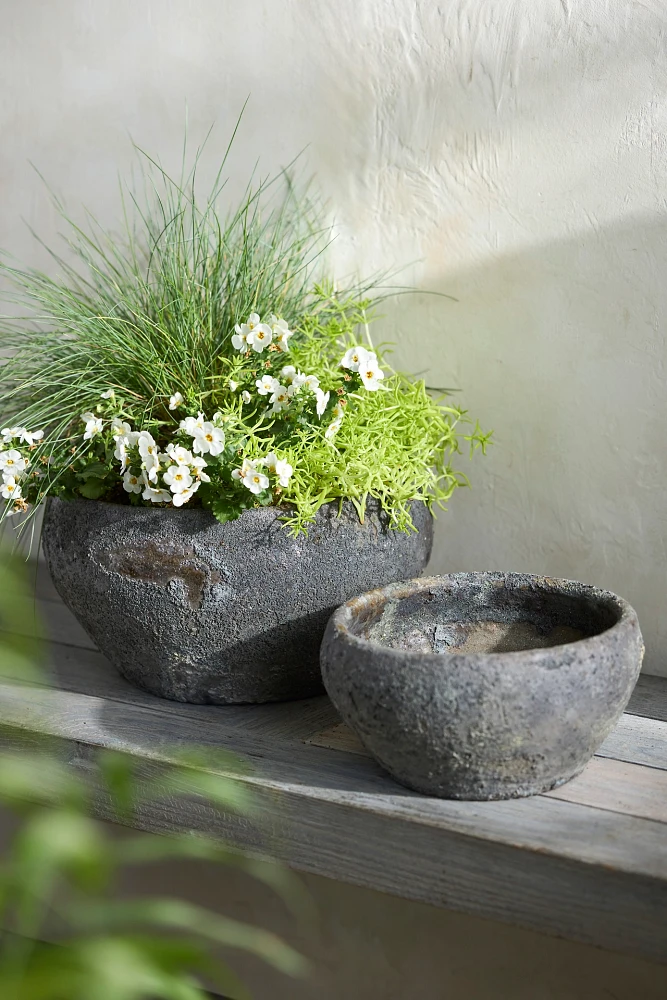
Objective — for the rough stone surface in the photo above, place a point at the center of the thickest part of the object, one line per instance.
(437, 678)
(198, 611)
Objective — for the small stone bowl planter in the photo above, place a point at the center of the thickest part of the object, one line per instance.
(482, 685)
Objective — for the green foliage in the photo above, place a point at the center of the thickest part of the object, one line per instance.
(152, 312)
(62, 865)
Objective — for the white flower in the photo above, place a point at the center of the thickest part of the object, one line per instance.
(119, 427)
(281, 333)
(185, 495)
(267, 384)
(192, 424)
(93, 425)
(370, 372)
(29, 437)
(132, 483)
(334, 426)
(109, 394)
(11, 489)
(240, 337)
(295, 379)
(279, 467)
(155, 495)
(149, 455)
(255, 480)
(175, 401)
(233, 385)
(312, 382)
(197, 466)
(353, 358)
(248, 465)
(12, 463)
(178, 478)
(125, 438)
(279, 398)
(322, 400)
(245, 396)
(259, 337)
(9, 433)
(178, 454)
(208, 440)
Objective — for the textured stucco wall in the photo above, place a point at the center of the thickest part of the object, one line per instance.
(511, 153)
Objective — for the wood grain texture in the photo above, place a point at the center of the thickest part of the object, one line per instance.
(588, 861)
(605, 783)
(549, 865)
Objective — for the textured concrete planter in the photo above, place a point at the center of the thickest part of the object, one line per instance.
(198, 611)
(482, 685)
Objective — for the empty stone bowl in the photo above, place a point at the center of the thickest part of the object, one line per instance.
(482, 685)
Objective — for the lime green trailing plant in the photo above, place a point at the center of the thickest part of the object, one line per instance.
(207, 359)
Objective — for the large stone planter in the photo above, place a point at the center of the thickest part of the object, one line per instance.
(197, 611)
(482, 685)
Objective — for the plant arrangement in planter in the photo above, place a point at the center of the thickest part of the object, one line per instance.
(205, 365)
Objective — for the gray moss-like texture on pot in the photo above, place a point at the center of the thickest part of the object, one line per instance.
(202, 612)
(482, 685)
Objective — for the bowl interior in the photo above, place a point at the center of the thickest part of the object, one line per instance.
(483, 613)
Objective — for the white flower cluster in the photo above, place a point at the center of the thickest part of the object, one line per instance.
(365, 364)
(281, 393)
(255, 480)
(334, 426)
(13, 465)
(257, 335)
(172, 476)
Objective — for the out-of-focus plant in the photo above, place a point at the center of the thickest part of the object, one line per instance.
(58, 874)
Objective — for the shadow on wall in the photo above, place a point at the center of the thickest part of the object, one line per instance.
(561, 349)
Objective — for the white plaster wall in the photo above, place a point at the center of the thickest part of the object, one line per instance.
(509, 152)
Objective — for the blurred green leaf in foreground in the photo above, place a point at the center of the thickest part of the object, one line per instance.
(62, 864)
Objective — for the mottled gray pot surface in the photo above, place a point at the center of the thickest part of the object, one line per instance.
(198, 611)
(482, 685)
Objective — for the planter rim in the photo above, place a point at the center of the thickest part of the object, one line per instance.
(133, 508)
(282, 509)
(346, 614)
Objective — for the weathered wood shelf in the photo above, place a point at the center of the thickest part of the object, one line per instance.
(587, 861)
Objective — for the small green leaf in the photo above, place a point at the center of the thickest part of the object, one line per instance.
(223, 511)
(118, 772)
(95, 469)
(93, 488)
(39, 778)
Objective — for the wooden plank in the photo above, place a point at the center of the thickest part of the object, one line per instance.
(588, 861)
(649, 698)
(592, 835)
(87, 671)
(635, 740)
(339, 737)
(620, 787)
(561, 868)
(605, 783)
